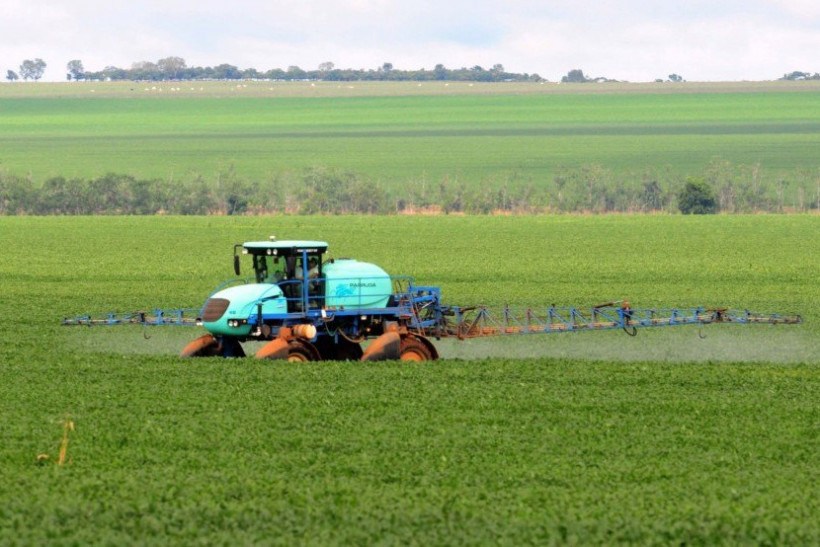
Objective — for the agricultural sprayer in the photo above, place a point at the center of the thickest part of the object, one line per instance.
(304, 307)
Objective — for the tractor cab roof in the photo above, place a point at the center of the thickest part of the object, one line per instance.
(284, 247)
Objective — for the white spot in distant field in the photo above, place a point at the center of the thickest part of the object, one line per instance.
(153, 88)
(92, 91)
(471, 85)
(312, 85)
(419, 85)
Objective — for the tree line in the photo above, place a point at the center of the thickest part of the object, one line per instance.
(721, 187)
(798, 75)
(30, 69)
(175, 68)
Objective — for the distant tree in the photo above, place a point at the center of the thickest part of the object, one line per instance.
(326, 66)
(675, 78)
(439, 72)
(296, 73)
(75, 69)
(60, 196)
(574, 76)
(227, 72)
(32, 69)
(171, 68)
(114, 73)
(17, 194)
(697, 198)
(12, 76)
(387, 67)
(796, 75)
(143, 70)
(275, 74)
(251, 74)
(651, 196)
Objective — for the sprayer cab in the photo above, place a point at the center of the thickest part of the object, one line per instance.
(277, 261)
(290, 265)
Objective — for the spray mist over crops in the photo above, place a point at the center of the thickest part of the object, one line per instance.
(716, 344)
(725, 344)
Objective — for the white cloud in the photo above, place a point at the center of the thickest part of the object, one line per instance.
(809, 9)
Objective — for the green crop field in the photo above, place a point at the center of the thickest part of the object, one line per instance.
(665, 438)
(398, 134)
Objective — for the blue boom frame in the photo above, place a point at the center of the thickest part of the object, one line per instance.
(294, 310)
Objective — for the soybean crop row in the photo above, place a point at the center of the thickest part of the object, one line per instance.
(108, 437)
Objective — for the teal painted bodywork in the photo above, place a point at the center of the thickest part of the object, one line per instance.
(344, 284)
(354, 284)
(243, 304)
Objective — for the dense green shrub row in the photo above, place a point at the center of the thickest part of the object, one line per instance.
(720, 187)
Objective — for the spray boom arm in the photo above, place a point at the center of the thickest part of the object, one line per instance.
(309, 308)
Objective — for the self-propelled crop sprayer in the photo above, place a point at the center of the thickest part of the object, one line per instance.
(306, 308)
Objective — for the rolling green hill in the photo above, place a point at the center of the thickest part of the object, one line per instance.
(399, 135)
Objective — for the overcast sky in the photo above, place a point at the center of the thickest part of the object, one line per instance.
(635, 40)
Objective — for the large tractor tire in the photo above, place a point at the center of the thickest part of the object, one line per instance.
(296, 350)
(384, 348)
(302, 351)
(204, 346)
(208, 346)
(417, 348)
(275, 349)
